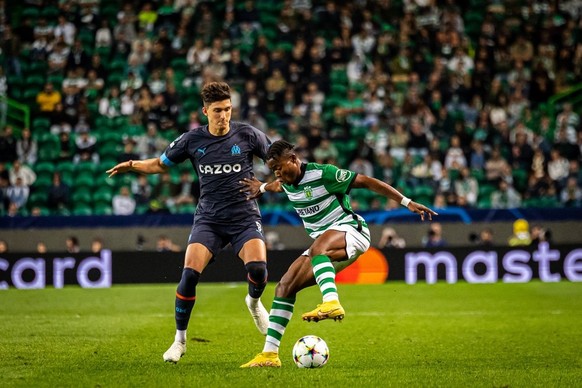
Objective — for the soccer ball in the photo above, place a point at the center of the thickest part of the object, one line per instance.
(310, 352)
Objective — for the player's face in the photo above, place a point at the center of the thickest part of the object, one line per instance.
(285, 168)
(218, 114)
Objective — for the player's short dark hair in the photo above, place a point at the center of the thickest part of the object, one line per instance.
(215, 91)
(279, 148)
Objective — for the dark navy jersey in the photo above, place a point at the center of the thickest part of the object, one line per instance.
(221, 162)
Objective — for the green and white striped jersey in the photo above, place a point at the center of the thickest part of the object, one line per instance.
(320, 198)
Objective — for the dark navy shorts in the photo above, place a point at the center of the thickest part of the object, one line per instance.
(216, 236)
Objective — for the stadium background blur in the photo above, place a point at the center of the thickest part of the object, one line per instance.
(459, 104)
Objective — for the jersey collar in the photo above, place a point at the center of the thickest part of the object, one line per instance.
(301, 175)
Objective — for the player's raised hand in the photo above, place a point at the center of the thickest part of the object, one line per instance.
(422, 210)
(119, 169)
(251, 187)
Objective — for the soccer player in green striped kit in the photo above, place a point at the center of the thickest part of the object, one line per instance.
(319, 193)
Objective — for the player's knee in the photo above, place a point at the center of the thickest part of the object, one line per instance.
(257, 271)
(286, 288)
(187, 285)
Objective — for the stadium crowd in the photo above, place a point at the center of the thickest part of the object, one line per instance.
(449, 101)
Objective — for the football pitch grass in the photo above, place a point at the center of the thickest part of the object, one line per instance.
(451, 335)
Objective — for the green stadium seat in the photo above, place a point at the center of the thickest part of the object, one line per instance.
(50, 12)
(423, 194)
(520, 177)
(31, 12)
(102, 209)
(179, 64)
(38, 198)
(81, 195)
(44, 168)
(82, 210)
(42, 183)
(103, 195)
(47, 154)
(84, 179)
(88, 168)
(485, 191)
(41, 125)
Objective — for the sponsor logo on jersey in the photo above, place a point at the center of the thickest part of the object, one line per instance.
(308, 192)
(342, 175)
(201, 150)
(308, 210)
(235, 150)
(212, 169)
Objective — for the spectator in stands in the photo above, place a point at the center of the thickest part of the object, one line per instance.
(64, 30)
(72, 244)
(110, 104)
(17, 194)
(521, 235)
(434, 237)
(22, 171)
(165, 244)
(540, 234)
(47, 99)
(3, 246)
(8, 151)
(3, 96)
(141, 190)
(505, 197)
(4, 200)
(467, 187)
(123, 203)
(26, 147)
(558, 167)
(58, 194)
(104, 36)
(325, 152)
(85, 147)
(495, 165)
(41, 247)
(391, 239)
(97, 245)
(165, 190)
(150, 144)
(571, 195)
(188, 191)
(57, 59)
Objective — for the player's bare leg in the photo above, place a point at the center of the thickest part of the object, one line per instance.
(298, 276)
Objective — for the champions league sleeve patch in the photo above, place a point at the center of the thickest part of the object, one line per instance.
(342, 175)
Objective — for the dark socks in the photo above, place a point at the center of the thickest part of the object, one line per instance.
(186, 297)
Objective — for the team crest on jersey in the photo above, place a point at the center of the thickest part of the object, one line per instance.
(235, 150)
(308, 192)
(342, 175)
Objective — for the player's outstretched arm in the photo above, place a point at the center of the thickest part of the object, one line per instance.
(382, 188)
(252, 187)
(147, 166)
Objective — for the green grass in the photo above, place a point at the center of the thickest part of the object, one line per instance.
(492, 335)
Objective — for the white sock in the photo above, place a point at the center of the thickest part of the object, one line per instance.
(253, 301)
(180, 336)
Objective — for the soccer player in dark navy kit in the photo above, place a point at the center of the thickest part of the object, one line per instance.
(222, 154)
